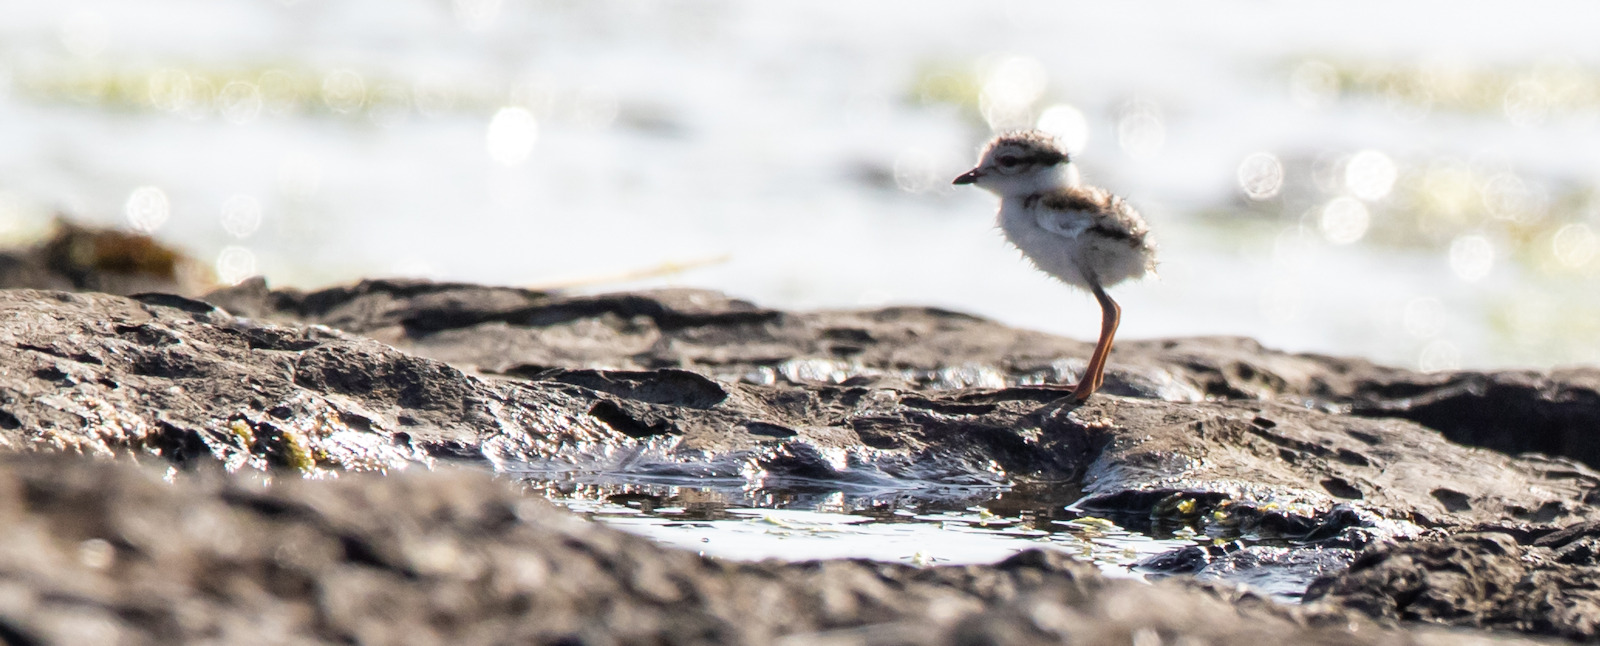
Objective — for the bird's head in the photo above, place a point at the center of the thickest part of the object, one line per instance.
(1020, 163)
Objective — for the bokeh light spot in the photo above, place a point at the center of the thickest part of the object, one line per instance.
(432, 95)
(389, 104)
(343, 91)
(1370, 175)
(1009, 91)
(916, 171)
(147, 208)
(239, 102)
(202, 98)
(85, 33)
(169, 90)
(1141, 132)
(1509, 197)
(1439, 355)
(1423, 317)
(241, 216)
(234, 264)
(1471, 257)
(1068, 125)
(477, 15)
(1343, 220)
(1526, 103)
(1261, 176)
(281, 92)
(1449, 188)
(511, 135)
(1574, 245)
(1314, 84)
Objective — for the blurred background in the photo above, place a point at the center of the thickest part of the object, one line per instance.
(1410, 182)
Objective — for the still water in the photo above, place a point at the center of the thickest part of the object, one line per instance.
(917, 523)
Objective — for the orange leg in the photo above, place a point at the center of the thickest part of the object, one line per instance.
(1094, 373)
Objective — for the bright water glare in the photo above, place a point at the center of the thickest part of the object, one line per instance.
(1309, 169)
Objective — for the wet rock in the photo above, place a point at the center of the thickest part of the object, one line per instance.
(94, 373)
(501, 330)
(723, 389)
(1552, 413)
(1317, 456)
(94, 552)
(1482, 580)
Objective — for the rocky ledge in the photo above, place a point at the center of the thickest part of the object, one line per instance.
(1450, 493)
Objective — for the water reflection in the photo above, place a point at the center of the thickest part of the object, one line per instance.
(798, 521)
(1526, 96)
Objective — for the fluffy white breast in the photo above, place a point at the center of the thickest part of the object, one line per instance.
(1058, 243)
(1050, 239)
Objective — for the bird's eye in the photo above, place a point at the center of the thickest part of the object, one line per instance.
(1009, 161)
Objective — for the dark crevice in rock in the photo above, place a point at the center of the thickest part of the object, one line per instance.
(12, 635)
(1454, 501)
(669, 387)
(1512, 412)
(1341, 488)
(623, 422)
(174, 301)
(769, 430)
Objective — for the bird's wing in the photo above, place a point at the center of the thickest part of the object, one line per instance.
(1064, 223)
(1072, 211)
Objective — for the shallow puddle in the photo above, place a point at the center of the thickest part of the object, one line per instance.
(803, 521)
(916, 522)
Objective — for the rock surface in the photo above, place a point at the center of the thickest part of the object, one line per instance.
(906, 388)
(514, 331)
(95, 553)
(1549, 583)
(1329, 456)
(181, 379)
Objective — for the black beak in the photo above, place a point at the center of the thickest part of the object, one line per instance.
(968, 177)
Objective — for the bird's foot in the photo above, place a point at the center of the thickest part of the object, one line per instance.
(1083, 390)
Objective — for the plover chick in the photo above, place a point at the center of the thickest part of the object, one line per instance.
(1082, 235)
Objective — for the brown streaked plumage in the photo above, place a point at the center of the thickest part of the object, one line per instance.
(1112, 216)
